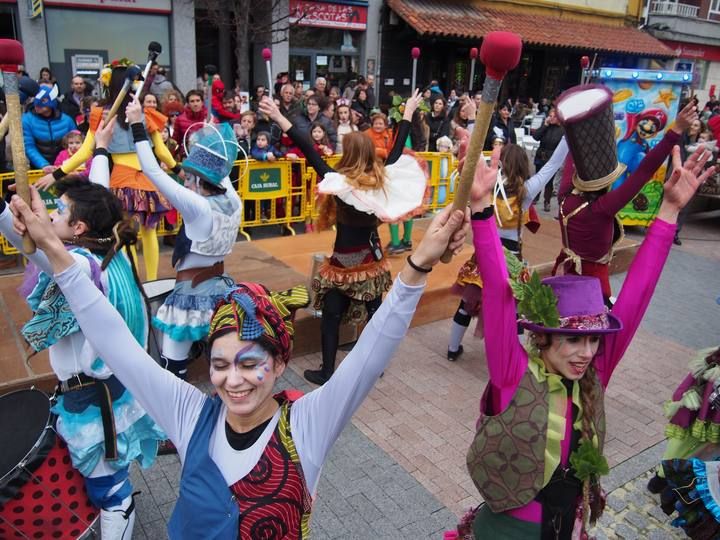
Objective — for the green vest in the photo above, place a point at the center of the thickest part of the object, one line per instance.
(507, 458)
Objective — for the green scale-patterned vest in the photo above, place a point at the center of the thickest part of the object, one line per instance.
(507, 457)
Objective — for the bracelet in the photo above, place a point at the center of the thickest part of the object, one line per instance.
(177, 168)
(101, 152)
(58, 173)
(418, 268)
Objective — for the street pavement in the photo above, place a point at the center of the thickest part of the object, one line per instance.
(398, 471)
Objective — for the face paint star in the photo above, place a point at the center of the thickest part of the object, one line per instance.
(665, 97)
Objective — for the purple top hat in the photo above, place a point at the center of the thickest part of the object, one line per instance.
(580, 306)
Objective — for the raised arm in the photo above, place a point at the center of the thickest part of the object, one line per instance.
(404, 127)
(536, 183)
(644, 273)
(194, 208)
(319, 417)
(506, 357)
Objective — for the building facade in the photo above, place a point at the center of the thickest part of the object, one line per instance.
(555, 36)
(692, 29)
(79, 36)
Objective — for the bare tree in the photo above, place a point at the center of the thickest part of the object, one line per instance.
(257, 22)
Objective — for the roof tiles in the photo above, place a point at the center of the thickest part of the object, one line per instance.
(446, 18)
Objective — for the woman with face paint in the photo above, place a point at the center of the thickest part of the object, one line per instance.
(211, 212)
(89, 222)
(251, 459)
(358, 192)
(542, 414)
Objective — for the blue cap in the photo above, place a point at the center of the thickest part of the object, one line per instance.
(47, 97)
(213, 150)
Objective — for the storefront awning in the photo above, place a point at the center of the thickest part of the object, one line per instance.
(444, 18)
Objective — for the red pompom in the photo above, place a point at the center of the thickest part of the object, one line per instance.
(415, 52)
(473, 53)
(585, 62)
(11, 53)
(714, 125)
(266, 54)
(500, 52)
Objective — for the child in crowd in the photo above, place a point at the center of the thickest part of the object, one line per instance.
(381, 135)
(262, 150)
(444, 144)
(71, 142)
(343, 122)
(320, 139)
(244, 131)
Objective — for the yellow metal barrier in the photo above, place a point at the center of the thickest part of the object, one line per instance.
(280, 192)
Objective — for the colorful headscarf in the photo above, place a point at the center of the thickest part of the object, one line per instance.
(257, 314)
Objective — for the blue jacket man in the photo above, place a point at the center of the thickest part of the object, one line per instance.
(44, 127)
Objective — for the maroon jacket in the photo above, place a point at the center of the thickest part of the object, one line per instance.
(183, 122)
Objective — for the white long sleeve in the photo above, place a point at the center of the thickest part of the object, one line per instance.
(38, 258)
(195, 208)
(174, 404)
(536, 183)
(318, 418)
(100, 171)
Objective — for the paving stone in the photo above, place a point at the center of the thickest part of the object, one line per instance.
(636, 520)
(626, 533)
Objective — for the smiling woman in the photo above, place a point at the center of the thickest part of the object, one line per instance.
(251, 458)
(536, 458)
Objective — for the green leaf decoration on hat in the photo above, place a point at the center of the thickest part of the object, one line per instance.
(588, 462)
(398, 107)
(536, 302)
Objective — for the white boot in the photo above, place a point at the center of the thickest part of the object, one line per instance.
(117, 523)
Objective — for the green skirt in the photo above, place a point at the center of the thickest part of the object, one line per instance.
(491, 526)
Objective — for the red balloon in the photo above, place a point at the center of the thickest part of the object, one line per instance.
(415, 52)
(500, 52)
(266, 54)
(473, 53)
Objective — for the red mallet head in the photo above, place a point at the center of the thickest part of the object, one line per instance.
(473, 53)
(585, 62)
(11, 55)
(266, 54)
(500, 52)
(415, 53)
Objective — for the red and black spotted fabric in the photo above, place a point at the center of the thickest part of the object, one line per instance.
(53, 504)
(273, 498)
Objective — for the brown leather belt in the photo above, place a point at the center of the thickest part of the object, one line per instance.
(198, 275)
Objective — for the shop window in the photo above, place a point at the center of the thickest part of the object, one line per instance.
(325, 38)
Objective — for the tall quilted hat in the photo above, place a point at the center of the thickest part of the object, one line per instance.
(586, 113)
(211, 152)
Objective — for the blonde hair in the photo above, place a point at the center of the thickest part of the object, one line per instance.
(362, 169)
(359, 164)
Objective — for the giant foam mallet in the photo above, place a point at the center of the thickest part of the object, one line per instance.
(473, 58)
(11, 55)
(500, 52)
(267, 55)
(415, 53)
(132, 74)
(154, 50)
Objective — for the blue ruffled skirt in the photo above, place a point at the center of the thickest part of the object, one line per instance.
(186, 313)
(82, 429)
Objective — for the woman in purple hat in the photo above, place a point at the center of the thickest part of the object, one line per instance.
(537, 455)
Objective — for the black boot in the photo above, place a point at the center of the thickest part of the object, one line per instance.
(317, 376)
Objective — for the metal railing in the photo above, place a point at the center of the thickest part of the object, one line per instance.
(281, 192)
(664, 7)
